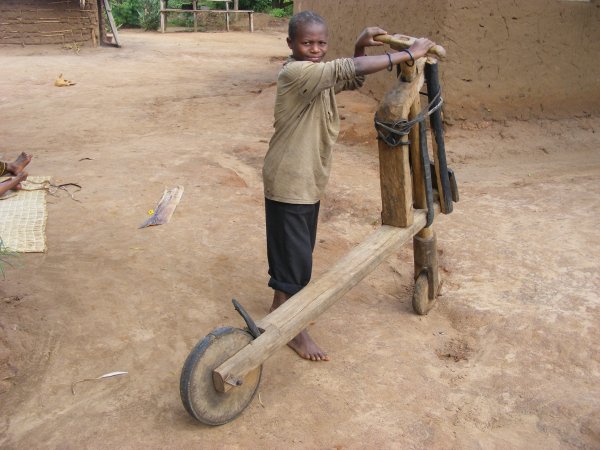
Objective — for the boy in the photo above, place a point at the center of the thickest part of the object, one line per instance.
(17, 169)
(297, 164)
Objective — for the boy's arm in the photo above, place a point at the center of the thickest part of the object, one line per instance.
(350, 85)
(365, 65)
(364, 40)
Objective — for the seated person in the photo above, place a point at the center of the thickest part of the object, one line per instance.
(15, 168)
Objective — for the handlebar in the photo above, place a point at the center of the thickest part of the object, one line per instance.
(404, 42)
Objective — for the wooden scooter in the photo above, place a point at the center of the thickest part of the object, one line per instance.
(221, 375)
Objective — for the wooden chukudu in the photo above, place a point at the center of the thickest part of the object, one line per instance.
(221, 374)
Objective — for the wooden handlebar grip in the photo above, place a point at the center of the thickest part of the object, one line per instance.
(404, 42)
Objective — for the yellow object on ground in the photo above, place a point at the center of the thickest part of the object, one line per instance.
(61, 82)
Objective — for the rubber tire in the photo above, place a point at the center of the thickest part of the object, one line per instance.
(198, 394)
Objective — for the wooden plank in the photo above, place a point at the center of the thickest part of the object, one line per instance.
(111, 20)
(394, 167)
(166, 207)
(281, 325)
(396, 185)
(397, 102)
(198, 11)
(419, 198)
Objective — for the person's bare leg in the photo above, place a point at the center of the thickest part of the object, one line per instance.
(12, 183)
(17, 166)
(302, 343)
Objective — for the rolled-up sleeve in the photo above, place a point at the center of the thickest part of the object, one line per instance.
(313, 78)
(350, 85)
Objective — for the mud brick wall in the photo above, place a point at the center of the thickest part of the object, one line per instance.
(506, 59)
(30, 22)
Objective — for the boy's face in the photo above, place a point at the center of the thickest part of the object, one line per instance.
(310, 43)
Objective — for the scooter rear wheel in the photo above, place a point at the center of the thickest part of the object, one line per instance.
(196, 386)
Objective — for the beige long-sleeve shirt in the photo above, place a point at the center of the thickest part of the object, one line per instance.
(298, 162)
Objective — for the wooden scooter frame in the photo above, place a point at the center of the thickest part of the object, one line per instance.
(404, 216)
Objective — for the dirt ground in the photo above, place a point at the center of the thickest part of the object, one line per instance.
(508, 358)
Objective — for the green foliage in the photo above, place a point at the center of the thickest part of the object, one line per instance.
(149, 14)
(126, 12)
(276, 8)
(256, 5)
(181, 20)
(287, 11)
(212, 5)
(145, 13)
(280, 4)
(176, 4)
(137, 13)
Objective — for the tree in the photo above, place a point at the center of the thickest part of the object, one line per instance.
(280, 4)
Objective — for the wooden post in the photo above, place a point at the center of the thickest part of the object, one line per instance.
(236, 4)
(396, 190)
(101, 26)
(396, 182)
(419, 199)
(251, 21)
(227, 15)
(195, 7)
(163, 16)
(281, 325)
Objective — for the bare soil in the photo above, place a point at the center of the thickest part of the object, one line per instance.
(508, 358)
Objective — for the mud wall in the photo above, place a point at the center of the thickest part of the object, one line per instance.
(507, 58)
(27, 22)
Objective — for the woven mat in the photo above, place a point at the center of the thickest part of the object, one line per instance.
(23, 217)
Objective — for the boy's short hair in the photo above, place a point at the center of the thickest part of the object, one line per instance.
(303, 18)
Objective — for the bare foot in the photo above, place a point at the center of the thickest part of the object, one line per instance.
(307, 348)
(302, 343)
(17, 166)
(12, 183)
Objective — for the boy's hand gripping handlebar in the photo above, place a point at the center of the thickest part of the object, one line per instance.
(400, 42)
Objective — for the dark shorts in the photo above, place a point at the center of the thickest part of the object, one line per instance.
(291, 236)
